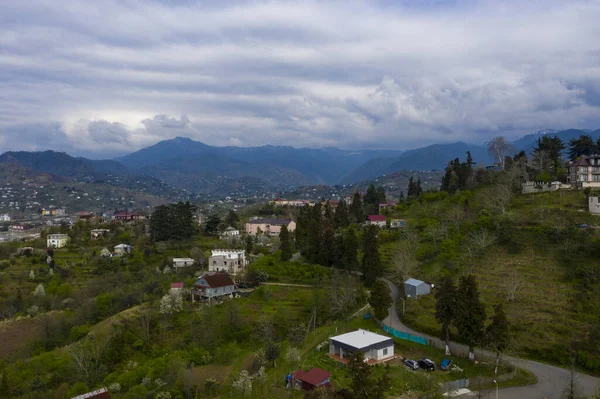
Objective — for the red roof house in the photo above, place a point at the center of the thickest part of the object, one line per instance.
(309, 380)
(177, 286)
(377, 220)
(101, 393)
(213, 284)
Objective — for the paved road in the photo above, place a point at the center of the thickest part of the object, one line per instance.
(551, 380)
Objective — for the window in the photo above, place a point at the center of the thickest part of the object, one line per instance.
(385, 351)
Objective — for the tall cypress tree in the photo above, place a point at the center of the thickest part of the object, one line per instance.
(340, 217)
(356, 211)
(469, 317)
(445, 308)
(411, 187)
(327, 244)
(371, 260)
(249, 244)
(314, 233)
(285, 243)
(350, 249)
(497, 334)
(301, 232)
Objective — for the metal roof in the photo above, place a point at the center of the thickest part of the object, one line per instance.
(360, 338)
(414, 281)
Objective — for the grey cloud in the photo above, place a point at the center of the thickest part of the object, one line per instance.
(110, 76)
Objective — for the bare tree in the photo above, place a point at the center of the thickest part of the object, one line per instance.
(498, 197)
(512, 286)
(479, 240)
(342, 294)
(86, 356)
(499, 148)
(456, 215)
(404, 262)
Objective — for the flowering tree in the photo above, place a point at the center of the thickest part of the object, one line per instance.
(39, 291)
(171, 303)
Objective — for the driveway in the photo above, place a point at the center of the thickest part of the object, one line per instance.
(551, 380)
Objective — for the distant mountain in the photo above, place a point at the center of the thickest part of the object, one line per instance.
(25, 191)
(433, 157)
(437, 156)
(279, 166)
(62, 164)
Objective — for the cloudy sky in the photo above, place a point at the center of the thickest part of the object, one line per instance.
(100, 78)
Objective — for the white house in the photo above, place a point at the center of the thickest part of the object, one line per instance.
(230, 232)
(96, 234)
(57, 240)
(397, 223)
(594, 205)
(376, 348)
(4, 218)
(231, 261)
(122, 249)
(182, 262)
(376, 220)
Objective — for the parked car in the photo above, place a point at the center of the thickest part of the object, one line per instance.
(411, 364)
(427, 364)
(445, 364)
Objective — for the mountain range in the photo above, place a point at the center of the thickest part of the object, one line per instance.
(198, 168)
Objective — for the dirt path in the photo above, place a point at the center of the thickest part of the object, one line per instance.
(551, 380)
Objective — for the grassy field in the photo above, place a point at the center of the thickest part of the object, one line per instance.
(542, 230)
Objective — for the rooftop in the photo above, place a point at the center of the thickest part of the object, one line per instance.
(376, 218)
(183, 260)
(177, 285)
(271, 221)
(360, 338)
(414, 281)
(215, 279)
(314, 377)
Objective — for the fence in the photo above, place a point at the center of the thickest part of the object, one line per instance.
(405, 336)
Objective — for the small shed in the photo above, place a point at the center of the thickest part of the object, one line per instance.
(413, 288)
(182, 262)
(178, 286)
(122, 249)
(309, 380)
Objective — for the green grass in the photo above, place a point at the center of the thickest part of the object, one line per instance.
(292, 272)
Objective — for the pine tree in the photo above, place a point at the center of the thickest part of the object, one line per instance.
(4, 388)
(340, 217)
(249, 244)
(380, 299)
(350, 249)
(411, 187)
(314, 233)
(301, 232)
(232, 218)
(445, 308)
(371, 260)
(327, 244)
(356, 211)
(497, 334)
(469, 317)
(364, 385)
(285, 243)
(418, 188)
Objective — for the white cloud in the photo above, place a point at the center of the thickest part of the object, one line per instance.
(113, 75)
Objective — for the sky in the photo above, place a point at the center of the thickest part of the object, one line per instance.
(104, 78)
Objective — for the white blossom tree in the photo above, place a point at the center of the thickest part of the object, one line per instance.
(39, 291)
(171, 303)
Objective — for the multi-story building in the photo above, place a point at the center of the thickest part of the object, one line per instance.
(57, 240)
(585, 172)
(270, 227)
(231, 261)
(4, 218)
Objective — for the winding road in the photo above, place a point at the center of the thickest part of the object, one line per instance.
(551, 380)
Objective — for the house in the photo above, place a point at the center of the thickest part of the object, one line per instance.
(128, 216)
(384, 205)
(18, 227)
(101, 393)
(122, 249)
(4, 218)
(230, 232)
(585, 172)
(231, 261)
(84, 215)
(54, 212)
(285, 202)
(397, 223)
(309, 380)
(213, 285)
(98, 233)
(376, 220)
(182, 262)
(178, 286)
(270, 227)
(594, 205)
(376, 348)
(57, 240)
(413, 288)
